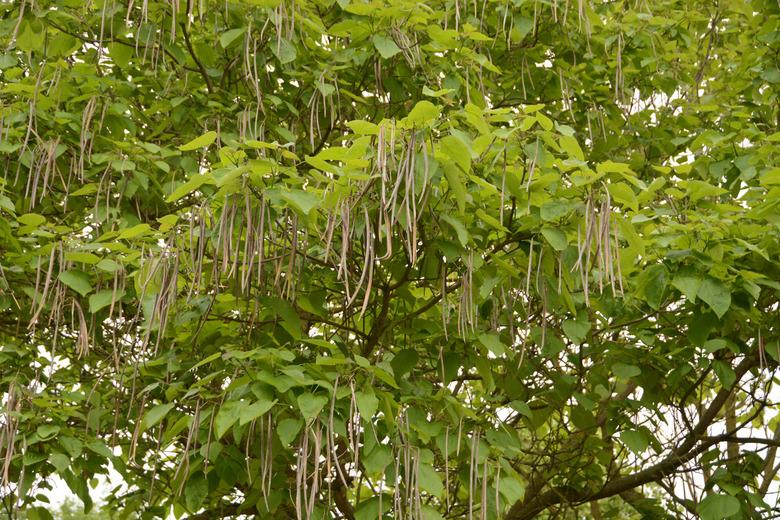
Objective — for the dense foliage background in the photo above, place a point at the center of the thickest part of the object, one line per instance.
(335, 259)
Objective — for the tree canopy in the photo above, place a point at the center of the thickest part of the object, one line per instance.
(499, 259)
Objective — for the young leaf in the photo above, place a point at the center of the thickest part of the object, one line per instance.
(200, 142)
(362, 127)
(623, 194)
(423, 113)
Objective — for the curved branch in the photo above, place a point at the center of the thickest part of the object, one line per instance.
(685, 451)
(203, 72)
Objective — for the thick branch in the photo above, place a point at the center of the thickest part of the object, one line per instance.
(684, 452)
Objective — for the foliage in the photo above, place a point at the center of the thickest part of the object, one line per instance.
(69, 509)
(317, 259)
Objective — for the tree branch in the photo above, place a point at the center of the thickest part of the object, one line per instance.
(535, 504)
(201, 68)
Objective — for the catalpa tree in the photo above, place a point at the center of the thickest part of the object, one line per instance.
(312, 259)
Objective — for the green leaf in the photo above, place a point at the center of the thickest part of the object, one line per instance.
(636, 441)
(135, 231)
(370, 508)
(367, 403)
(230, 36)
(7, 60)
(104, 298)
(570, 145)
(7, 204)
(120, 54)
(457, 151)
(436, 93)
(60, 461)
(155, 415)
(623, 194)
(76, 280)
(613, 167)
(625, 371)
(688, 285)
(188, 187)
(403, 362)
(697, 190)
(302, 201)
(378, 459)
(207, 360)
(522, 408)
(555, 237)
(725, 373)
(285, 51)
(251, 412)
(458, 227)
(511, 489)
(200, 142)
(362, 127)
(288, 429)
(311, 405)
(31, 219)
(78, 485)
(490, 220)
(430, 481)
(718, 507)
(576, 330)
(99, 447)
(386, 46)
(492, 343)
(651, 284)
(714, 345)
(227, 416)
(81, 257)
(455, 182)
(73, 446)
(715, 294)
(554, 209)
(196, 491)
(423, 113)
(47, 431)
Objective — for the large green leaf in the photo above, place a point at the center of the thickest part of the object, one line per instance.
(200, 142)
(715, 294)
(718, 507)
(387, 47)
(226, 417)
(311, 405)
(196, 491)
(155, 415)
(76, 280)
